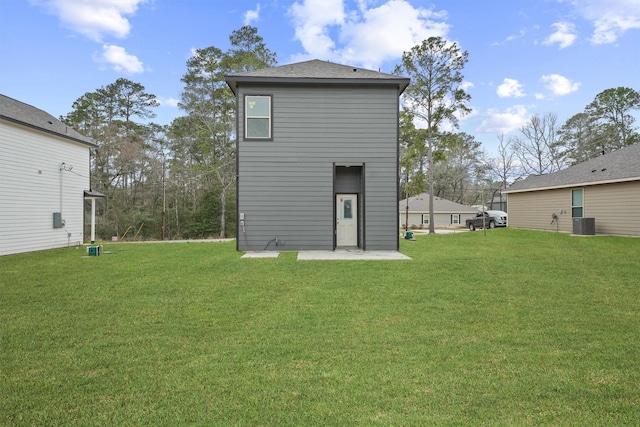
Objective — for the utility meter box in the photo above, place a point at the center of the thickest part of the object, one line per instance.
(57, 220)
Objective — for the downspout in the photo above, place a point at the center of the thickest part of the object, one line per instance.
(363, 190)
(61, 188)
(93, 220)
(335, 209)
(238, 138)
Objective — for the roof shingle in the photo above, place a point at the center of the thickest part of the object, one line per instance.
(316, 71)
(617, 166)
(27, 115)
(420, 203)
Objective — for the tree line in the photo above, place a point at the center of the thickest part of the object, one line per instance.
(177, 181)
(453, 166)
(174, 181)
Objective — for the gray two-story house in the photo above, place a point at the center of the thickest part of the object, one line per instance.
(317, 157)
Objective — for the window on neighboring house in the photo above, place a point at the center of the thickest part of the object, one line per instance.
(455, 219)
(577, 203)
(425, 218)
(257, 117)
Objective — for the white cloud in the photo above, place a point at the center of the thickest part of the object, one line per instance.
(119, 59)
(610, 27)
(368, 36)
(559, 85)
(94, 19)
(564, 36)
(504, 121)
(610, 18)
(510, 88)
(520, 34)
(252, 15)
(523, 32)
(313, 20)
(168, 102)
(465, 85)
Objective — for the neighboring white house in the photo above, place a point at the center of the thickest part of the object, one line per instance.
(44, 172)
(446, 213)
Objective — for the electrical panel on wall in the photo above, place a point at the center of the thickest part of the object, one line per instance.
(57, 220)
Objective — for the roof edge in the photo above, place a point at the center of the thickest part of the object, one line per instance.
(232, 81)
(93, 194)
(88, 142)
(580, 184)
(472, 211)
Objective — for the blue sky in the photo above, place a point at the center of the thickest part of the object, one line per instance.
(525, 57)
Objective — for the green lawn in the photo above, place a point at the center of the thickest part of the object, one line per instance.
(511, 328)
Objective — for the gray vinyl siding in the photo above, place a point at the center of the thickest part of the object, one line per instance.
(286, 186)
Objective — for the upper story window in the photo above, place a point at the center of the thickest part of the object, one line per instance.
(257, 117)
(577, 203)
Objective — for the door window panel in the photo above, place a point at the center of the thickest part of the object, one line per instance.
(347, 209)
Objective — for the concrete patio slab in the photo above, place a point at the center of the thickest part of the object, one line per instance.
(351, 254)
(261, 254)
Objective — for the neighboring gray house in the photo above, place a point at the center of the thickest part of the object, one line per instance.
(317, 155)
(44, 178)
(499, 202)
(606, 188)
(446, 213)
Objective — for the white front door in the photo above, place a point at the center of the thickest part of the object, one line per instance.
(347, 220)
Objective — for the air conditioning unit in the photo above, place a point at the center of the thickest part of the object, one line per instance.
(584, 226)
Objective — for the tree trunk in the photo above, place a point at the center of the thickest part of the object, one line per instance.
(223, 211)
(432, 229)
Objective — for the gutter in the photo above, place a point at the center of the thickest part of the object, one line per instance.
(581, 184)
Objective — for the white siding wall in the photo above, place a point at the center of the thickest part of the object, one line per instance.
(30, 189)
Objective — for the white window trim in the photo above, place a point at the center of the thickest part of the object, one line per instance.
(423, 219)
(576, 206)
(247, 117)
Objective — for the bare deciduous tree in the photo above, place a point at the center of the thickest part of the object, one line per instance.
(536, 147)
(504, 168)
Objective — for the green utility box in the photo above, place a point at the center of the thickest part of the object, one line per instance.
(94, 250)
(408, 235)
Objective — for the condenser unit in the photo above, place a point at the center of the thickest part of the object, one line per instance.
(584, 226)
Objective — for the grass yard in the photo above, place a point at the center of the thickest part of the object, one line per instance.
(515, 328)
